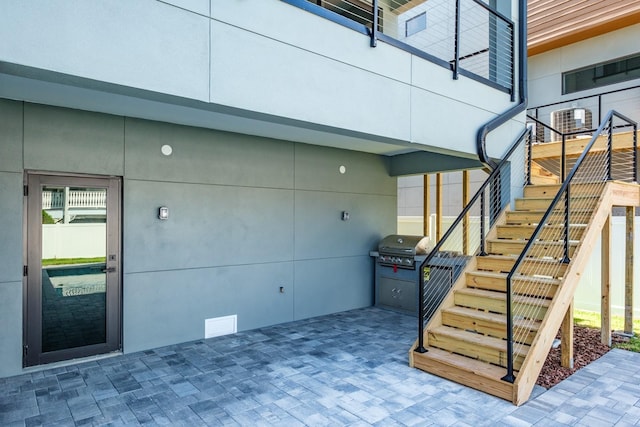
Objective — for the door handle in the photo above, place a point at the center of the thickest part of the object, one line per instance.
(109, 270)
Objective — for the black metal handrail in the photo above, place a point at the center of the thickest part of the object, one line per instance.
(564, 191)
(495, 123)
(480, 194)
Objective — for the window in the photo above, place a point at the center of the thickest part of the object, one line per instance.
(602, 74)
(416, 24)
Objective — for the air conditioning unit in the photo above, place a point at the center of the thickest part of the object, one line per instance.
(570, 120)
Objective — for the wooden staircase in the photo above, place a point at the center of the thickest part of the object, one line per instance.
(466, 338)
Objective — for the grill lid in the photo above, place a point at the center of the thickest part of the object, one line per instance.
(396, 244)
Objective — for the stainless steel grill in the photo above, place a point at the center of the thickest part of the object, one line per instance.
(397, 273)
(400, 251)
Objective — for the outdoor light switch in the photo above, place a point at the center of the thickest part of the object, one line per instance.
(345, 216)
(163, 212)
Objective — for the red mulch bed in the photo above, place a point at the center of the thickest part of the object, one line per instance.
(586, 349)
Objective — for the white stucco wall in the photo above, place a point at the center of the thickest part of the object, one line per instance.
(545, 70)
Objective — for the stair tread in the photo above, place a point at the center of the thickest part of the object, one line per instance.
(546, 267)
(496, 295)
(553, 196)
(492, 317)
(500, 275)
(474, 366)
(536, 242)
(557, 186)
(464, 370)
(514, 258)
(558, 209)
(538, 286)
(549, 226)
(478, 339)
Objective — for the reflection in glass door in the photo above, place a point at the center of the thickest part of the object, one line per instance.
(73, 282)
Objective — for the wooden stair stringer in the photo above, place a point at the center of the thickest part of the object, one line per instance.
(463, 370)
(541, 175)
(613, 194)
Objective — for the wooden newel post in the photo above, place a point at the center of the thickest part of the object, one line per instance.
(605, 283)
(426, 205)
(628, 282)
(438, 207)
(566, 336)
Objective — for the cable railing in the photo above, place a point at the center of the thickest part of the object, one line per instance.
(466, 36)
(549, 250)
(583, 113)
(555, 159)
(467, 235)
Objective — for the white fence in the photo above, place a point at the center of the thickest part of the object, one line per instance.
(588, 293)
(74, 240)
(77, 199)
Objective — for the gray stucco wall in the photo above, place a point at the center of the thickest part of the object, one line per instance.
(10, 237)
(248, 215)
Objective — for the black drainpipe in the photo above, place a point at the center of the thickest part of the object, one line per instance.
(481, 139)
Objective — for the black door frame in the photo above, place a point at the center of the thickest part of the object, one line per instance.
(32, 283)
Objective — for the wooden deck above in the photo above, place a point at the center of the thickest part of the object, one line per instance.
(622, 141)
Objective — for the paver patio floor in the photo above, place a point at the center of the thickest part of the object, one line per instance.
(343, 369)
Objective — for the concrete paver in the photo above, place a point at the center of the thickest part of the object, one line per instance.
(342, 369)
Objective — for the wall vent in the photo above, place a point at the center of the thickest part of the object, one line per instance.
(219, 326)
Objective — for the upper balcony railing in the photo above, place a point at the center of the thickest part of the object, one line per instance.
(466, 36)
(580, 115)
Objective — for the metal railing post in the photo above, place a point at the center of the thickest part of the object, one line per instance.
(420, 348)
(456, 46)
(635, 153)
(610, 150)
(567, 205)
(483, 252)
(529, 159)
(599, 108)
(509, 377)
(563, 158)
(374, 25)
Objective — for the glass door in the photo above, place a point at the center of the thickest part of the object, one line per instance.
(73, 268)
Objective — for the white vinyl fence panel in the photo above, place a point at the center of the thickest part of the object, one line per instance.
(73, 240)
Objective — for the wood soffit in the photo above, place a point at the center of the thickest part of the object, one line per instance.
(553, 24)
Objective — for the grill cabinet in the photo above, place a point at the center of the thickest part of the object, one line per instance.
(397, 273)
